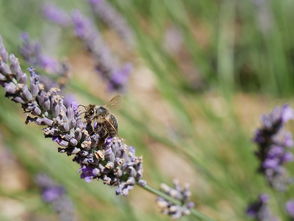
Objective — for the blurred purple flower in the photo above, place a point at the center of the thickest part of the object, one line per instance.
(106, 63)
(119, 78)
(290, 208)
(55, 195)
(83, 26)
(177, 192)
(259, 209)
(56, 15)
(32, 53)
(273, 144)
(109, 15)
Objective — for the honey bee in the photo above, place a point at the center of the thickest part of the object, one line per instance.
(103, 122)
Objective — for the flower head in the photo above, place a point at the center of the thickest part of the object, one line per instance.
(55, 195)
(177, 192)
(259, 209)
(119, 78)
(106, 64)
(273, 143)
(56, 15)
(50, 191)
(32, 53)
(109, 15)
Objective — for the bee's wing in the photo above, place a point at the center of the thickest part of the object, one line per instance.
(111, 120)
(114, 102)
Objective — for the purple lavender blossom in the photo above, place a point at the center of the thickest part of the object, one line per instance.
(109, 15)
(51, 194)
(273, 142)
(177, 192)
(55, 195)
(119, 78)
(56, 15)
(32, 53)
(109, 158)
(290, 208)
(70, 101)
(88, 173)
(259, 210)
(106, 64)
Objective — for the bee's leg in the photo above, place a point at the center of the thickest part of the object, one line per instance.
(99, 128)
(89, 128)
(112, 132)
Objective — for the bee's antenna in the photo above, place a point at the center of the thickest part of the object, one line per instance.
(80, 105)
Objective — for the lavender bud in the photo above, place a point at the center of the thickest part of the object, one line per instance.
(73, 142)
(4, 68)
(182, 194)
(10, 88)
(37, 111)
(3, 52)
(14, 67)
(18, 100)
(2, 77)
(26, 93)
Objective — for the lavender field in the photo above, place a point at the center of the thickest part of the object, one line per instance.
(126, 110)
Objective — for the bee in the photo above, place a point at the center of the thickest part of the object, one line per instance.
(99, 117)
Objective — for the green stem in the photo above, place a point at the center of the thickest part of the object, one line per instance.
(170, 199)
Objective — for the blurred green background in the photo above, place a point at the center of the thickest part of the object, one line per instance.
(204, 72)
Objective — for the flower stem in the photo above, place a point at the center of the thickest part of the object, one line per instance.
(156, 192)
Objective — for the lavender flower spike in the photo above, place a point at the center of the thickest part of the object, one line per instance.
(179, 193)
(106, 64)
(273, 144)
(106, 158)
(32, 53)
(56, 15)
(290, 208)
(259, 209)
(104, 10)
(56, 196)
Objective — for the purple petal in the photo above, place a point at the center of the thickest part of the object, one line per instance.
(290, 208)
(287, 113)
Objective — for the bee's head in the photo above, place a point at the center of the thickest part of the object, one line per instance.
(101, 111)
(90, 111)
